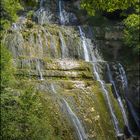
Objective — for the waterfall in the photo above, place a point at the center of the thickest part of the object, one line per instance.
(106, 94)
(14, 26)
(53, 46)
(64, 49)
(74, 119)
(40, 45)
(119, 99)
(26, 63)
(61, 15)
(123, 77)
(133, 112)
(46, 40)
(76, 122)
(85, 48)
(97, 75)
(29, 64)
(41, 3)
(53, 89)
(39, 69)
(125, 87)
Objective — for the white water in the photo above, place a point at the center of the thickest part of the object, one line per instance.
(14, 26)
(97, 75)
(106, 94)
(29, 64)
(40, 45)
(46, 39)
(85, 48)
(53, 89)
(39, 69)
(64, 49)
(76, 122)
(53, 45)
(119, 99)
(125, 87)
(41, 3)
(123, 76)
(133, 112)
(61, 15)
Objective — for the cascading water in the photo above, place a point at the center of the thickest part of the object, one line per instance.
(46, 39)
(39, 69)
(123, 76)
(125, 87)
(85, 48)
(40, 45)
(53, 89)
(76, 122)
(64, 49)
(14, 26)
(95, 70)
(106, 94)
(41, 3)
(61, 16)
(74, 119)
(119, 99)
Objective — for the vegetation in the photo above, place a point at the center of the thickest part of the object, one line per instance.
(131, 21)
(7, 69)
(8, 10)
(21, 115)
(29, 3)
(131, 32)
(27, 113)
(93, 6)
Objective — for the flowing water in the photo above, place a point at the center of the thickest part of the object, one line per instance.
(40, 45)
(61, 15)
(74, 119)
(53, 88)
(14, 26)
(39, 69)
(58, 43)
(125, 87)
(133, 112)
(106, 94)
(64, 49)
(122, 108)
(85, 48)
(76, 122)
(41, 3)
(123, 76)
(108, 100)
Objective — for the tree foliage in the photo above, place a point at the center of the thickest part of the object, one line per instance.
(132, 32)
(24, 113)
(31, 3)
(131, 22)
(93, 6)
(9, 9)
(23, 116)
(6, 67)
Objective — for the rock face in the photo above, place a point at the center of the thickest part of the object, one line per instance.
(52, 57)
(110, 41)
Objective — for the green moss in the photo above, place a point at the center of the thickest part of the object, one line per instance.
(101, 107)
(89, 105)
